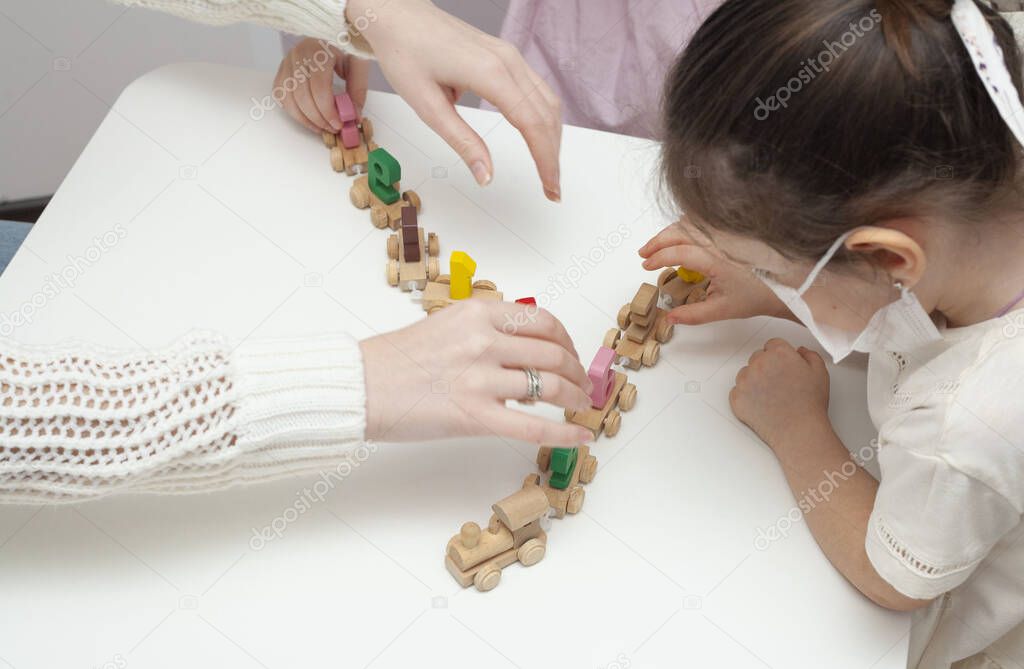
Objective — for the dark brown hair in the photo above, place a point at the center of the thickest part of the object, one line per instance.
(793, 121)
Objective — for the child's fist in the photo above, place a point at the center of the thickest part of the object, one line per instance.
(781, 390)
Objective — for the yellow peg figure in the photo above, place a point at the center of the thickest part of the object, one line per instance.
(689, 275)
(458, 285)
(462, 270)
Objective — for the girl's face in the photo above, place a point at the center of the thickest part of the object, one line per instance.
(842, 295)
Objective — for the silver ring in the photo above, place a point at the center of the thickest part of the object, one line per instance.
(534, 385)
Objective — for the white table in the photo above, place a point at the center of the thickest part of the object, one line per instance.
(240, 225)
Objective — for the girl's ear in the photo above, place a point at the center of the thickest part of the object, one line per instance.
(893, 250)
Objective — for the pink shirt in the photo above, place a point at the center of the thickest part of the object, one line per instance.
(606, 59)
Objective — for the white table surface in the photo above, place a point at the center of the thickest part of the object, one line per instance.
(239, 225)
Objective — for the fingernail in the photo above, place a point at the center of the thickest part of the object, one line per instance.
(589, 387)
(553, 194)
(481, 173)
(335, 124)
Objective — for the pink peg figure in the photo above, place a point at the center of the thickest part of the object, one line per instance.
(349, 120)
(602, 376)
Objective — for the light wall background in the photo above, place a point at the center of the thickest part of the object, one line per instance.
(66, 61)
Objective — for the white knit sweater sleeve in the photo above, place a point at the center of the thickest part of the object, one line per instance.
(79, 423)
(322, 19)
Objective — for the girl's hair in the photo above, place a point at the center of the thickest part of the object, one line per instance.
(793, 121)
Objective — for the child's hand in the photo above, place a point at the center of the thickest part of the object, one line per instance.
(305, 83)
(430, 58)
(781, 389)
(450, 375)
(734, 291)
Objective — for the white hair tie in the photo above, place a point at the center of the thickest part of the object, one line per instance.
(988, 59)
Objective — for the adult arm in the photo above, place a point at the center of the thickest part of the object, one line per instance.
(427, 55)
(78, 422)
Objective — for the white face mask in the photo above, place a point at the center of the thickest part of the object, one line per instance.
(900, 326)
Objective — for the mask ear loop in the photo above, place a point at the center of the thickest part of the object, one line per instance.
(809, 281)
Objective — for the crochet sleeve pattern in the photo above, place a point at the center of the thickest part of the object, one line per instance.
(80, 422)
(322, 19)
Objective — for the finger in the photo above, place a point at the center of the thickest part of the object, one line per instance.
(436, 110)
(523, 320)
(670, 235)
(293, 110)
(304, 101)
(286, 98)
(709, 311)
(535, 93)
(813, 358)
(550, 97)
(543, 142)
(556, 390)
(685, 254)
(538, 124)
(454, 94)
(554, 105)
(533, 429)
(734, 398)
(522, 352)
(321, 89)
(776, 343)
(357, 80)
(341, 62)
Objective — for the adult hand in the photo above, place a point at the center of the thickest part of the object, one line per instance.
(451, 374)
(430, 58)
(305, 80)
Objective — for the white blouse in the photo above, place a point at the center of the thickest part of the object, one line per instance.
(947, 522)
